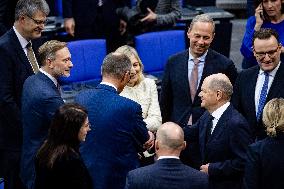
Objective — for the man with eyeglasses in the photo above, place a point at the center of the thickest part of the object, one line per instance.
(259, 84)
(17, 62)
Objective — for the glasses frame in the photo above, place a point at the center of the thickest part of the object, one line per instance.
(38, 22)
(270, 54)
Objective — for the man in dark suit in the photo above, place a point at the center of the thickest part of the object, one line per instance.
(259, 84)
(93, 19)
(15, 66)
(179, 100)
(118, 131)
(41, 98)
(168, 171)
(223, 134)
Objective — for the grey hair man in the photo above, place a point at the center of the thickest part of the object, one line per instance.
(184, 74)
(119, 130)
(222, 134)
(17, 63)
(168, 170)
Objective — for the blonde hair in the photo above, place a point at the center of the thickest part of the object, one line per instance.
(129, 52)
(273, 116)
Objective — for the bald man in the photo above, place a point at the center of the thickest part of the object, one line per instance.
(222, 133)
(168, 171)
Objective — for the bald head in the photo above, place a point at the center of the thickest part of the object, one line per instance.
(170, 139)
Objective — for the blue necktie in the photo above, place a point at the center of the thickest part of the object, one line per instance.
(262, 97)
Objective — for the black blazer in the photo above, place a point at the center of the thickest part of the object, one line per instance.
(15, 68)
(244, 92)
(175, 101)
(225, 150)
(166, 174)
(265, 164)
(69, 171)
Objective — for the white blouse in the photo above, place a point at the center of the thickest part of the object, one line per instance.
(145, 94)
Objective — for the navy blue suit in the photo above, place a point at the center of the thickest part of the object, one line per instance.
(15, 68)
(175, 103)
(40, 100)
(225, 150)
(166, 174)
(265, 164)
(244, 95)
(118, 134)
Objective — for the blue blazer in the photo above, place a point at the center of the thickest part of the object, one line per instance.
(15, 68)
(118, 134)
(225, 150)
(40, 100)
(265, 164)
(175, 103)
(166, 174)
(243, 97)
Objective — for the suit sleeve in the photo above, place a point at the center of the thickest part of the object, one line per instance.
(166, 101)
(153, 119)
(140, 132)
(252, 169)
(232, 72)
(236, 99)
(239, 139)
(9, 108)
(171, 17)
(67, 8)
(51, 105)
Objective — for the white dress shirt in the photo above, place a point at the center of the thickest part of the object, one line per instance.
(217, 114)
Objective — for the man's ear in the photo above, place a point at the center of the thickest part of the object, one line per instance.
(49, 64)
(183, 145)
(156, 145)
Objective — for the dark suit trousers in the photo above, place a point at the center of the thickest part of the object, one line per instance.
(10, 169)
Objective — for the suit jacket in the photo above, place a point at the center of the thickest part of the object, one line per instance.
(15, 68)
(244, 92)
(225, 150)
(175, 103)
(40, 100)
(264, 166)
(166, 174)
(118, 134)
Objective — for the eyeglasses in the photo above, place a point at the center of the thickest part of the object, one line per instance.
(38, 22)
(269, 53)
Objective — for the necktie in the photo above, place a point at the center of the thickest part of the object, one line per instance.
(209, 127)
(31, 57)
(193, 81)
(262, 97)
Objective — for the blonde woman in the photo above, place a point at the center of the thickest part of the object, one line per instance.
(142, 90)
(265, 162)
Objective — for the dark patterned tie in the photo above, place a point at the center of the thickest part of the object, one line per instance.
(209, 127)
(262, 98)
(31, 57)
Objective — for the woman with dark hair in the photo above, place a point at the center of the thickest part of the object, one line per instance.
(265, 162)
(58, 163)
(268, 14)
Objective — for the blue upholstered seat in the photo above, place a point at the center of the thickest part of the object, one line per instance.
(154, 48)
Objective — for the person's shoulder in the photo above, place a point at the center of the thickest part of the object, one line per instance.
(178, 55)
(149, 81)
(249, 71)
(212, 54)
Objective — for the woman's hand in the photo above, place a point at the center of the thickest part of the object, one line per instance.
(258, 17)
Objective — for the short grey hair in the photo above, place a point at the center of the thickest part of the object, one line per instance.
(116, 65)
(30, 7)
(202, 18)
(170, 135)
(221, 82)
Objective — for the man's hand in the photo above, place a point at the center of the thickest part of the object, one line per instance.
(69, 25)
(151, 17)
(204, 168)
(150, 142)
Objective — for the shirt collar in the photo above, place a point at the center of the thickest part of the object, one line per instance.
(109, 84)
(22, 40)
(218, 113)
(201, 58)
(168, 157)
(49, 76)
(273, 72)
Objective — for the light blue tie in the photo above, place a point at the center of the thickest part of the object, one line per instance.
(262, 97)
